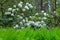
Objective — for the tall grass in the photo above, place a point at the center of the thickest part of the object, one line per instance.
(29, 34)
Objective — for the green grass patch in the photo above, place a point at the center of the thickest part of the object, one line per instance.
(29, 34)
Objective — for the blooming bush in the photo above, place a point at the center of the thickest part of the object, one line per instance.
(23, 15)
(19, 12)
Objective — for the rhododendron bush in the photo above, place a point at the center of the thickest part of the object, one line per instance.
(22, 15)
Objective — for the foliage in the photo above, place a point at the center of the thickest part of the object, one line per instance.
(29, 34)
(22, 13)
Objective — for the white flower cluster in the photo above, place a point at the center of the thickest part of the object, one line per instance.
(30, 5)
(37, 14)
(21, 7)
(9, 9)
(23, 21)
(14, 6)
(20, 4)
(45, 14)
(26, 23)
(26, 7)
(7, 13)
(42, 11)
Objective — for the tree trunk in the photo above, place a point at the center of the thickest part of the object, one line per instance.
(53, 5)
(39, 5)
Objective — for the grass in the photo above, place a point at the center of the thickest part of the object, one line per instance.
(29, 34)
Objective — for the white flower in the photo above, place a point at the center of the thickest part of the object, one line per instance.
(37, 14)
(45, 14)
(9, 9)
(7, 13)
(16, 25)
(57, 2)
(44, 18)
(12, 14)
(27, 7)
(13, 10)
(54, 11)
(17, 9)
(31, 22)
(26, 19)
(28, 24)
(36, 24)
(24, 10)
(39, 25)
(23, 20)
(27, 3)
(20, 16)
(21, 23)
(44, 24)
(42, 11)
(30, 16)
(21, 2)
(14, 6)
(42, 21)
(30, 5)
(20, 5)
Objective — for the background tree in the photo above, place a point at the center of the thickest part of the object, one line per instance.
(53, 5)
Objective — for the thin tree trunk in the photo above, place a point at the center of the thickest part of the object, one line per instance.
(53, 5)
(46, 6)
(2, 10)
(39, 5)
